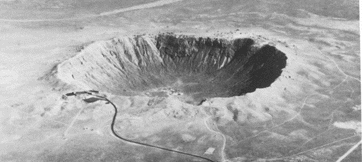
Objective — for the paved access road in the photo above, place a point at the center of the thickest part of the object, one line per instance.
(96, 97)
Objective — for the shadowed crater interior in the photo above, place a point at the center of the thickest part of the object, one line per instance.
(184, 66)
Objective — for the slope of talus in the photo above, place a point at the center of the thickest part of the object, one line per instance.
(197, 67)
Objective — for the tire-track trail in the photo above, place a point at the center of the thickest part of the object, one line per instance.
(137, 7)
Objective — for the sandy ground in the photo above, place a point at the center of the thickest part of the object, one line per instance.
(311, 112)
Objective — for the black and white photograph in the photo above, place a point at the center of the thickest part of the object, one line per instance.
(180, 81)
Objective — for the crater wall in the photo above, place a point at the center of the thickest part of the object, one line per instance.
(196, 67)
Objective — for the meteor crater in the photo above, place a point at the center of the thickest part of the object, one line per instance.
(191, 68)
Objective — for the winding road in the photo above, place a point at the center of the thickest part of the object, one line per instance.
(136, 142)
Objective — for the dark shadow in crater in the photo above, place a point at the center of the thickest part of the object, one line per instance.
(220, 68)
